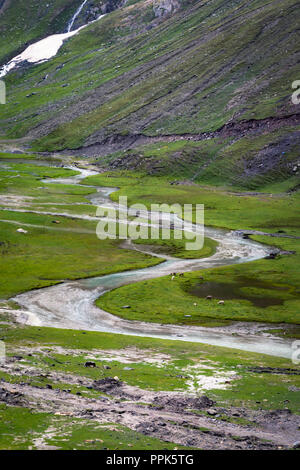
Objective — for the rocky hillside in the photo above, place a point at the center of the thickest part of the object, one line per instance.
(196, 89)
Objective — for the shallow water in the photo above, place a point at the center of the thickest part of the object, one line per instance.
(230, 291)
(71, 304)
(75, 16)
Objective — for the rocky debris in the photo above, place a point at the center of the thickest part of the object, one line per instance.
(294, 189)
(274, 370)
(166, 401)
(147, 428)
(278, 234)
(11, 398)
(273, 156)
(192, 435)
(178, 402)
(96, 147)
(296, 445)
(107, 385)
(277, 415)
(212, 412)
(165, 7)
(169, 416)
(17, 358)
(92, 11)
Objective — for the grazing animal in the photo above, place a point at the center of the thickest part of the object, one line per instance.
(221, 302)
(90, 364)
(271, 256)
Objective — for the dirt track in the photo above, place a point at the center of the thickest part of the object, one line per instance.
(118, 142)
(168, 416)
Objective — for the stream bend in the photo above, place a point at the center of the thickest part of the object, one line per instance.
(71, 304)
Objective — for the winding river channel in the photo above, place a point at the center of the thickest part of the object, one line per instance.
(71, 304)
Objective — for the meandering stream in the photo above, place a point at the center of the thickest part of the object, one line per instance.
(71, 304)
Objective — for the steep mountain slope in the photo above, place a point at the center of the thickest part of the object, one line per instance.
(216, 72)
(179, 102)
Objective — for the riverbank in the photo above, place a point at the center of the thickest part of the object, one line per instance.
(154, 393)
(144, 379)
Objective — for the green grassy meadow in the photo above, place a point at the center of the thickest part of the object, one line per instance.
(190, 107)
(230, 209)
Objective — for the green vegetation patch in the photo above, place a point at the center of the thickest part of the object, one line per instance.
(223, 207)
(24, 429)
(177, 247)
(182, 363)
(44, 257)
(264, 291)
(247, 163)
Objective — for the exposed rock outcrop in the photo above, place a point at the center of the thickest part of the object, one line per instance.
(94, 9)
(163, 7)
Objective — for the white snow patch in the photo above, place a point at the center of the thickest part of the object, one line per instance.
(200, 381)
(43, 50)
